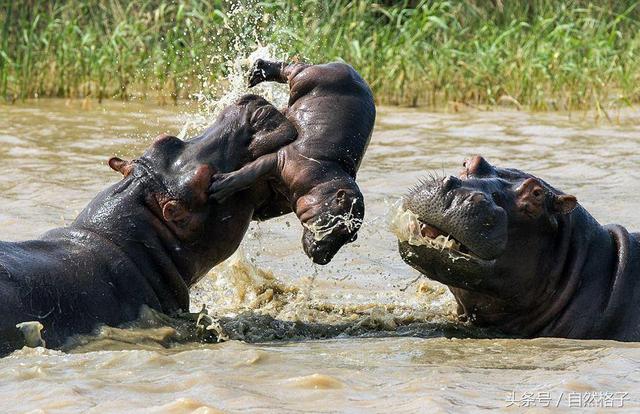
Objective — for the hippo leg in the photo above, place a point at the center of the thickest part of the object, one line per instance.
(269, 140)
(225, 185)
(268, 71)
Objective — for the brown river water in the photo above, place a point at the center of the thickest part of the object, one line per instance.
(358, 335)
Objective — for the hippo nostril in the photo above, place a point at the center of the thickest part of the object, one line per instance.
(477, 165)
(449, 183)
(166, 139)
(477, 197)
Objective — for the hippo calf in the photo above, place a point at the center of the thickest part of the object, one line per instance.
(333, 110)
(520, 256)
(144, 240)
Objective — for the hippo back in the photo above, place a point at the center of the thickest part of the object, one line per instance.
(70, 281)
(333, 108)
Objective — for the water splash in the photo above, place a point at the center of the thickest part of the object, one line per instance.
(237, 284)
(265, 40)
(251, 304)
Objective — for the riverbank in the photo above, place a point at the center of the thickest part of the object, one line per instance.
(535, 54)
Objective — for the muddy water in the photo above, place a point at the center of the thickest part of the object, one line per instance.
(359, 335)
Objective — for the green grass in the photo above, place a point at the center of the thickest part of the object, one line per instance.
(543, 54)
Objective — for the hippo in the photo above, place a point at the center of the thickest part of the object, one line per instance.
(144, 240)
(333, 110)
(521, 256)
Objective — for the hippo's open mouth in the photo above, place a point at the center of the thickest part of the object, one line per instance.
(438, 237)
(408, 227)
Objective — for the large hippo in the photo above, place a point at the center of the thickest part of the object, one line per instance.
(521, 256)
(145, 239)
(333, 109)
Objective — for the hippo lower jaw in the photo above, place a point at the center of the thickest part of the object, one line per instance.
(448, 266)
(439, 256)
(408, 228)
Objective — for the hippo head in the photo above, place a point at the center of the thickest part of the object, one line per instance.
(331, 214)
(178, 183)
(489, 231)
(179, 172)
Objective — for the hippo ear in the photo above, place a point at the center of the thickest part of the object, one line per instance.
(174, 211)
(120, 165)
(530, 198)
(564, 203)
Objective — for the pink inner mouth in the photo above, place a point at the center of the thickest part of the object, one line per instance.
(430, 231)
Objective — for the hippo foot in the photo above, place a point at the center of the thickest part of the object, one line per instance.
(264, 70)
(223, 186)
(258, 73)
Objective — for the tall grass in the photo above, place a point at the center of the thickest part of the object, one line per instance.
(541, 53)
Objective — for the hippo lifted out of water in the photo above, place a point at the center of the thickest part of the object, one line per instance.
(332, 107)
(523, 257)
(145, 239)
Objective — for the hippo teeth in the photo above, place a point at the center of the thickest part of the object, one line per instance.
(441, 239)
(438, 238)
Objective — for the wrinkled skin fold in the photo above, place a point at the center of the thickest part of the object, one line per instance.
(143, 240)
(333, 110)
(523, 257)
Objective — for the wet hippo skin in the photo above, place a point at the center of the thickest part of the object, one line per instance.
(524, 257)
(145, 239)
(333, 110)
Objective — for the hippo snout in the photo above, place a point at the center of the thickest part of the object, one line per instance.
(321, 259)
(319, 251)
(463, 210)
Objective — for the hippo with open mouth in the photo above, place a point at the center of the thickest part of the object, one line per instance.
(333, 109)
(144, 240)
(522, 257)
